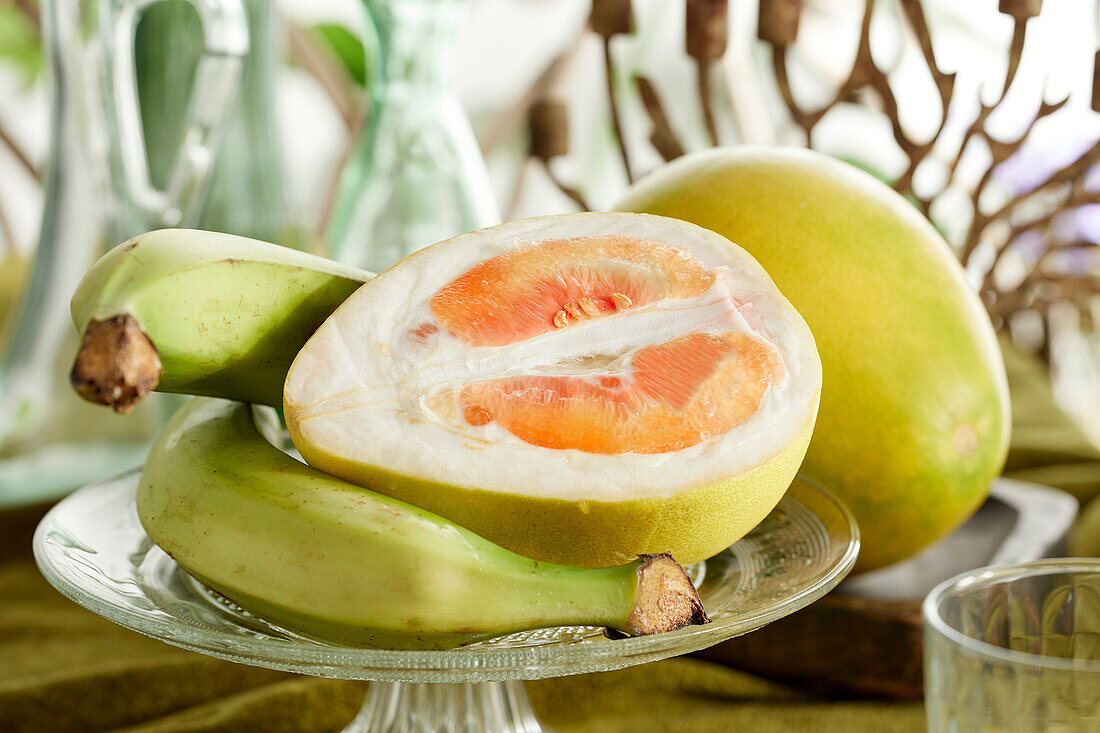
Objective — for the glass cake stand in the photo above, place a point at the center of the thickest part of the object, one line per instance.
(92, 548)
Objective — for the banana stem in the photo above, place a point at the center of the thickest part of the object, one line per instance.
(117, 364)
(666, 598)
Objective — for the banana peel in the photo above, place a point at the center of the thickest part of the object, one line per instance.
(202, 313)
(340, 563)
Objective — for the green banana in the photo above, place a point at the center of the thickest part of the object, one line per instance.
(199, 312)
(338, 562)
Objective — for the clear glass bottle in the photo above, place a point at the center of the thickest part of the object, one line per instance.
(416, 175)
(99, 192)
(246, 195)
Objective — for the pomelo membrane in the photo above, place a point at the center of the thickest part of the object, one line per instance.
(579, 388)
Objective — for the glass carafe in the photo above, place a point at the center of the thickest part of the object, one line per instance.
(417, 175)
(246, 194)
(99, 192)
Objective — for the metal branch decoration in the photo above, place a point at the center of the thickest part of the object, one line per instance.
(997, 229)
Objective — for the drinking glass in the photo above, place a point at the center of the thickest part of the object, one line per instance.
(1015, 648)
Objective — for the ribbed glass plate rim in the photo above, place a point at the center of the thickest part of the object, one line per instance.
(996, 574)
(287, 655)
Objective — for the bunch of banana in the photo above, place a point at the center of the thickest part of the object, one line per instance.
(338, 562)
(212, 314)
(200, 313)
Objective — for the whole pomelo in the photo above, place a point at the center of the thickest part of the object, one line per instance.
(914, 418)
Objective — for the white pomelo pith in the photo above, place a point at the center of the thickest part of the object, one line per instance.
(579, 389)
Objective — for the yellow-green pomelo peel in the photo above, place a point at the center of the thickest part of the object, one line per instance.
(914, 416)
(692, 525)
(375, 397)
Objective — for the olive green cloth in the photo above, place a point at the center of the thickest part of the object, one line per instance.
(1047, 447)
(65, 669)
(1084, 540)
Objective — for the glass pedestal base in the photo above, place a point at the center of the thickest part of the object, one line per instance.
(398, 707)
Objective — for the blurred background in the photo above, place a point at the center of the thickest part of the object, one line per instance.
(303, 114)
(364, 130)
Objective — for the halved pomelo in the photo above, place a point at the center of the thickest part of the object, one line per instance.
(579, 389)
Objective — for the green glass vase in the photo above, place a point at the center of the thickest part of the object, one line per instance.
(416, 175)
